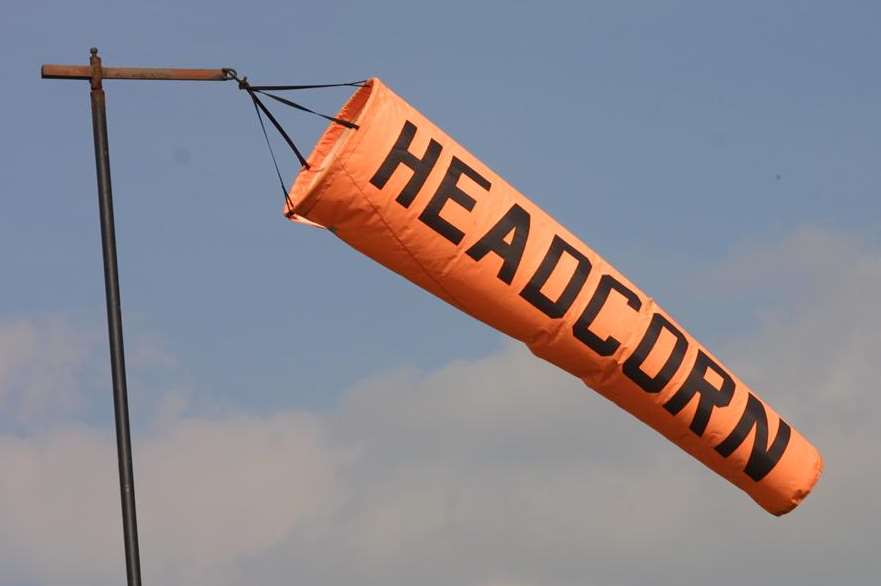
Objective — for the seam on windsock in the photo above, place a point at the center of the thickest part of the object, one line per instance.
(403, 246)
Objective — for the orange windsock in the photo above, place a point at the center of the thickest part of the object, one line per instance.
(404, 193)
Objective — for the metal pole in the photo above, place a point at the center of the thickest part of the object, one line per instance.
(96, 73)
(114, 324)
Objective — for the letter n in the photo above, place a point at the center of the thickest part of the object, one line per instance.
(762, 459)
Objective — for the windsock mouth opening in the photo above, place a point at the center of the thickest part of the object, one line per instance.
(331, 142)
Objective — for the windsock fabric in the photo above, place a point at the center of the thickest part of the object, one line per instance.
(404, 193)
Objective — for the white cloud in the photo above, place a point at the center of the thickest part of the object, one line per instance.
(210, 493)
(41, 363)
(500, 471)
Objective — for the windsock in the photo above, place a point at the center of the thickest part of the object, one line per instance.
(403, 192)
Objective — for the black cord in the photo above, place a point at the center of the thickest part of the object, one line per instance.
(279, 128)
(279, 88)
(287, 102)
(261, 109)
(274, 160)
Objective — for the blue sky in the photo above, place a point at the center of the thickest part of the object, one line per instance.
(687, 142)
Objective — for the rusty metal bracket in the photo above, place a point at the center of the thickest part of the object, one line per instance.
(143, 73)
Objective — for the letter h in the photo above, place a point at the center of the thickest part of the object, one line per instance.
(400, 155)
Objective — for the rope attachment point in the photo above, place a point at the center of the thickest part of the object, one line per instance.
(261, 110)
